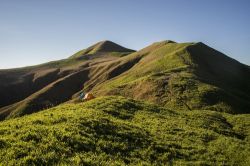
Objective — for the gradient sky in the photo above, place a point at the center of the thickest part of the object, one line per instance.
(37, 31)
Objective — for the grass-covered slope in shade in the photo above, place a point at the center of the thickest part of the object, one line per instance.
(120, 131)
(31, 89)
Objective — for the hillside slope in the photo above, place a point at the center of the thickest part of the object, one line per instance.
(119, 131)
(184, 76)
(180, 76)
(30, 89)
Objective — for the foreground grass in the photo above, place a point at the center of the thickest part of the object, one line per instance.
(120, 131)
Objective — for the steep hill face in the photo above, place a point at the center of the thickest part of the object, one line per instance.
(180, 76)
(231, 78)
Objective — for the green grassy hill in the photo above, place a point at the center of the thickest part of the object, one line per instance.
(185, 76)
(180, 76)
(167, 104)
(120, 131)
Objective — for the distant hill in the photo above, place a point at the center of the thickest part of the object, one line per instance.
(102, 47)
(179, 76)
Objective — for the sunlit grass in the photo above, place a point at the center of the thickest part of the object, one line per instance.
(119, 131)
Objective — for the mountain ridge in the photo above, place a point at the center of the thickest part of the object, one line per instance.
(165, 72)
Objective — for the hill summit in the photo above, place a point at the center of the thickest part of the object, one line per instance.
(102, 47)
(108, 46)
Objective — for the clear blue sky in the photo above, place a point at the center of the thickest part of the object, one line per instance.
(37, 31)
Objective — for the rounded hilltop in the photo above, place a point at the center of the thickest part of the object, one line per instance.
(104, 46)
(107, 46)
